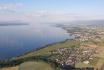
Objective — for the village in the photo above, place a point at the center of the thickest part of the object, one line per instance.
(73, 55)
(86, 33)
(89, 39)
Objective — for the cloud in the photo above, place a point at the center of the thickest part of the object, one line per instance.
(44, 16)
(47, 16)
(9, 7)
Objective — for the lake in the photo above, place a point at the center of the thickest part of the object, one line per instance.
(18, 39)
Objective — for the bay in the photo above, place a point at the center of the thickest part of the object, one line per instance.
(18, 39)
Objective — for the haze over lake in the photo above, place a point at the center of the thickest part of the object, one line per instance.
(18, 39)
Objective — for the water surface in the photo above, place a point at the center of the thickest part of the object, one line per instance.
(16, 40)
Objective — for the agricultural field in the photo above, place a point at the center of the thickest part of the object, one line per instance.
(33, 65)
(47, 50)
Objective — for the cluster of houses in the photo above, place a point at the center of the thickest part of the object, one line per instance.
(71, 56)
(85, 36)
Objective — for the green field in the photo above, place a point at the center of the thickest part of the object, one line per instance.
(41, 52)
(46, 51)
(33, 65)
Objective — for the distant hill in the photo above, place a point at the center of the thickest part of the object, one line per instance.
(89, 22)
(12, 23)
(84, 23)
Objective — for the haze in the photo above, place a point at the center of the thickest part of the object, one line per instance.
(42, 11)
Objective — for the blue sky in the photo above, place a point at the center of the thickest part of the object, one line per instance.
(83, 8)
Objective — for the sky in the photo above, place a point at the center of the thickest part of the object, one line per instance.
(51, 10)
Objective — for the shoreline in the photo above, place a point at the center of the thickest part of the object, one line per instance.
(48, 45)
(38, 48)
(25, 55)
(21, 58)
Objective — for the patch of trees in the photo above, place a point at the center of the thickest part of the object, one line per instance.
(11, 63)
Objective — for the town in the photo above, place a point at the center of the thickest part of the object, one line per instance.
(88, 53)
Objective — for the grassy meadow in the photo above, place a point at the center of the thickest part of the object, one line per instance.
(46, 51)
(33, 65)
